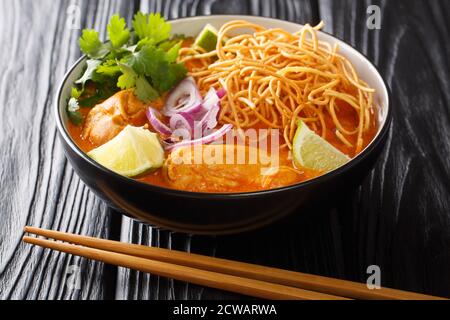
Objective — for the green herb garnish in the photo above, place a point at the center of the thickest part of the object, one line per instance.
(145, 62)
(73, 108)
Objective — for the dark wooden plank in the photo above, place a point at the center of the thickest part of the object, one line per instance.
(306, 245)
(292, 10)
(40, 187)
(399, 219)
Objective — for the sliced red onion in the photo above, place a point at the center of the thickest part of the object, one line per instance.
(204, 140)
(209, 120)
(182, 120)
(221, 93)
(184, 98)
(211, 108)
(211, 123)
(181, 134)
(211, 99)
(157, 124)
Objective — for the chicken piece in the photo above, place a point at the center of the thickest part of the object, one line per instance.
(107, 119)
(224, 168)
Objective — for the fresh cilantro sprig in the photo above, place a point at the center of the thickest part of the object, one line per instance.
(144, 61)
(73, 108)
(118, 32)
(151, 26)
(91, 45)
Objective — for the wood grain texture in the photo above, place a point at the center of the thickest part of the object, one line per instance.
(292, 10)
(398, 219)
(38, 186)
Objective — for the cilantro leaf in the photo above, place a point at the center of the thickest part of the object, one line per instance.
(73, 111)
(146, 61)
(128, 79)
(75, 93)
(91, 45)
(166, 81)
(166, 45)
(156, 64)
(101, 93)
(151, 26)
(145, 42)
(108, 68)
(172, 53)
(89, 74)
(144, 91)
(117, 31)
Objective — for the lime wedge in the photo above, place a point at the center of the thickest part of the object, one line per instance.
(207, 39)
(132, 152)
(313, 152)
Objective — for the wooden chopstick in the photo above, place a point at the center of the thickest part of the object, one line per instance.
(255, 288)
(334, 287)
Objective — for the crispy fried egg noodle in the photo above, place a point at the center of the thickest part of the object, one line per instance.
(275, 78)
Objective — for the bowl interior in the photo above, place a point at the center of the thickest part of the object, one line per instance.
(192, 26)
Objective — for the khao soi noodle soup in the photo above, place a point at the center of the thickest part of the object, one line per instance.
(243, 108)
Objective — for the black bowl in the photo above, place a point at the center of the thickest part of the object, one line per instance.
(206, 213)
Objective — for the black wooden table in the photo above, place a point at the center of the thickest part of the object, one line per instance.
(399, 219)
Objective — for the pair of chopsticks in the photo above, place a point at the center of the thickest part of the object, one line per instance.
(243, 278)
